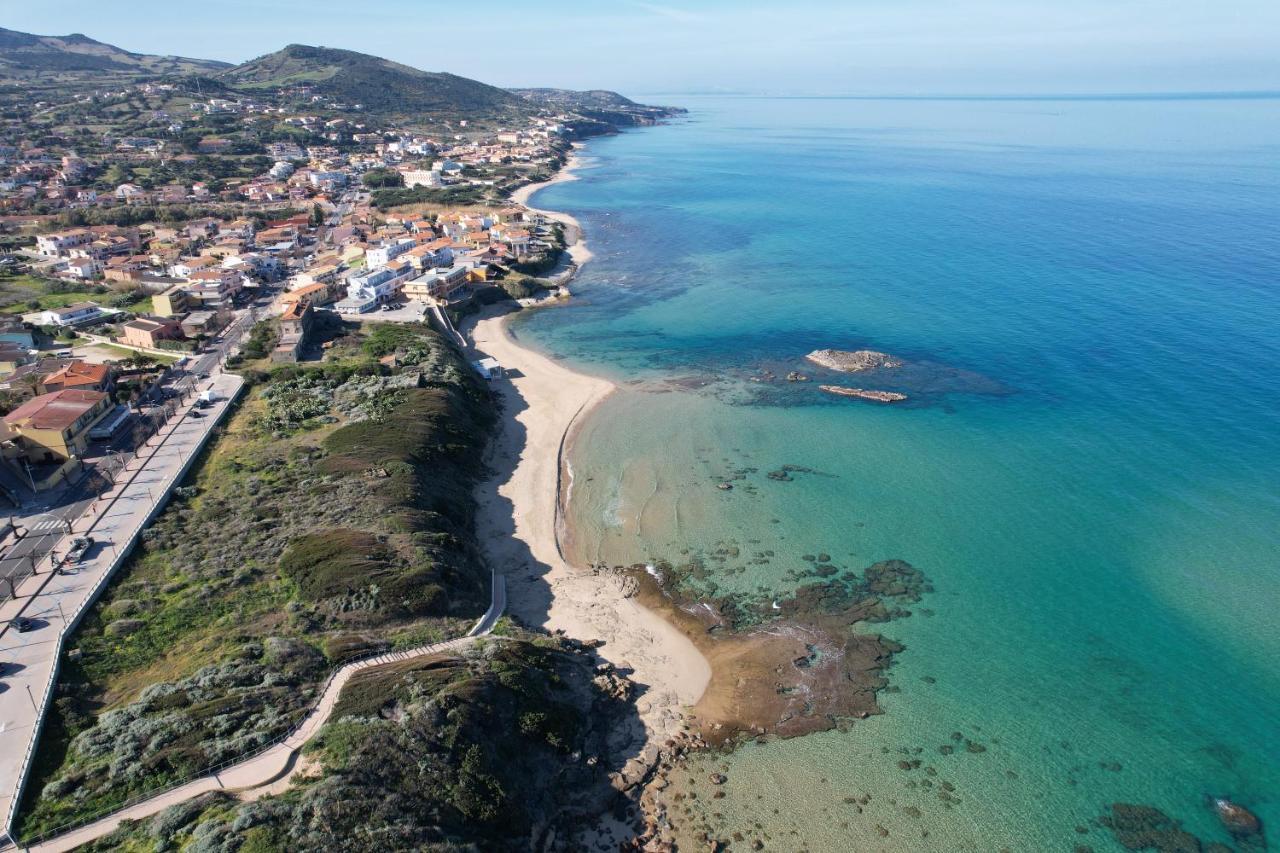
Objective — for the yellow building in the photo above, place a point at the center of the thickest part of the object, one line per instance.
(174, 302)
(52, 427)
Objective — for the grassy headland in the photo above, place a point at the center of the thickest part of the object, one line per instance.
(501, 747)
(333, 516)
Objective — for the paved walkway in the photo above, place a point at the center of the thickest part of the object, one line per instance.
(55, 602)
(277, 761)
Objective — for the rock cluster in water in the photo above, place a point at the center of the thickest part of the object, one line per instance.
(792, 665)
(855, 361)
(1139, 827)
(865, 394)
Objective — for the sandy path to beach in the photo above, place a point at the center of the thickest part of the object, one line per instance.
(518, 519)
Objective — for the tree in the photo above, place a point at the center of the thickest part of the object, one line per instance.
(117, 174)
(382, 178)
(317, 215)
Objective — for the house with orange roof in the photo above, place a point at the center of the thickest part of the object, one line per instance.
(52, 427)
(83, 375)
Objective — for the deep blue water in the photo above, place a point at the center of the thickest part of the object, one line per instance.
(1087, 293)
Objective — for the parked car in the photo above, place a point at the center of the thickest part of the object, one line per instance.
(79, 546)
(21, 624)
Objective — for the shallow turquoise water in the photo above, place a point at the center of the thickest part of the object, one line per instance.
(1087, 470)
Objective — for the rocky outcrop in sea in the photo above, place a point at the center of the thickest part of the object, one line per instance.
(853, 361)
(864, 394)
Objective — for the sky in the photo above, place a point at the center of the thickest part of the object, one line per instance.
(796, 47)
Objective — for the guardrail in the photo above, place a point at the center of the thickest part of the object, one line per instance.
(442, 317)
(118, 557)
(478, 629)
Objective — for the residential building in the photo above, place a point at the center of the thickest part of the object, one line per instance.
(380, 256)
(215, 288)
(199, 323)
(79, 314)
(12, 357)
(61, 243)
(52, 427)
(295, 323)
(438, 284)
(186, 267)
(421, 178)
(85, 269)
(173, 302)
(82, 375)
(148, 332)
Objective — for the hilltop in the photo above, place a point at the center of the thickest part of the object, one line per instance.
(24, 55)
(378, 85)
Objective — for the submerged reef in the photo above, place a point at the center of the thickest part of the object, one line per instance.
(790, 665)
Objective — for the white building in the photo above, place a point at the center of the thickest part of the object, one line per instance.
(59, 244)
(73, 315)
(382, 255)
(421, 178)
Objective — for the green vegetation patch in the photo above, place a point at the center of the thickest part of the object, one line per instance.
(497, 746)
(286, 552)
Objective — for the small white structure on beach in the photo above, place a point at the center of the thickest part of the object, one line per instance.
(489, 368)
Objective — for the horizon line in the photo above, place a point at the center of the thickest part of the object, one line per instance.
(1215, 95)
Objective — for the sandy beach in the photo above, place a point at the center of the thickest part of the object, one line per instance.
(519, 516)
(578, 252)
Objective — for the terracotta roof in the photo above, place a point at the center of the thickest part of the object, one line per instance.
(79, 373)
(301, 293)
(58, 410)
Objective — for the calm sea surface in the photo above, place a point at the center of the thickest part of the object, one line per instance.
(1087, 294)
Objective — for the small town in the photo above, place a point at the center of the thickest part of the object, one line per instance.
(187, 266)
(113, 312)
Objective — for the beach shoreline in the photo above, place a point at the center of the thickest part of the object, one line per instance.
(522, 521)
(577, 249)
(519, 523)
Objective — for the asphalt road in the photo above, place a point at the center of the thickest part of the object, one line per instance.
(41, 525)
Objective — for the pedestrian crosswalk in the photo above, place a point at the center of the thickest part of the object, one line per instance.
(49, 524)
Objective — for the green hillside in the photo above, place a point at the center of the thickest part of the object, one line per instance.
(23, 55)
(379, 85)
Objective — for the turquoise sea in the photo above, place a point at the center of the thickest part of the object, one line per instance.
(1087, 293)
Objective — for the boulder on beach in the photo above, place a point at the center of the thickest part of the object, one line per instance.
(853, 361)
